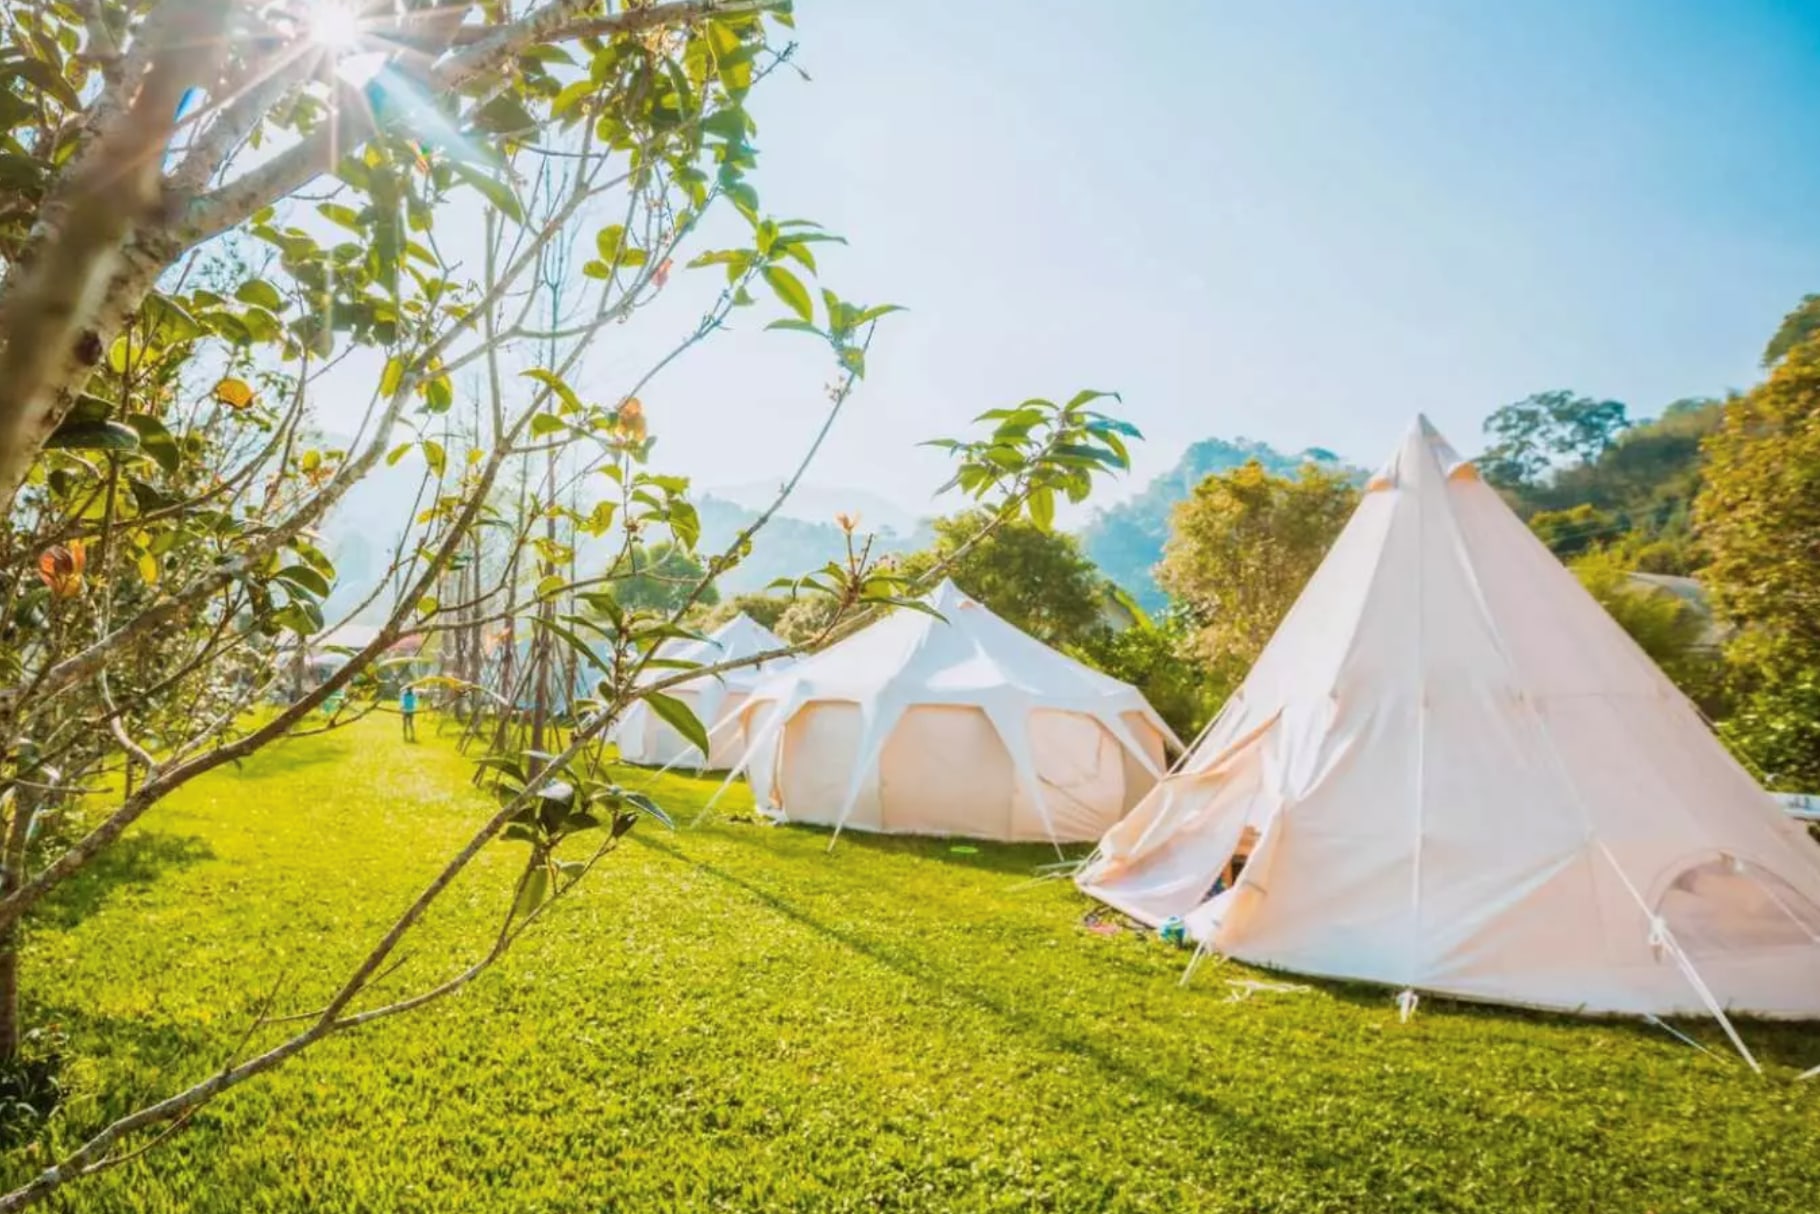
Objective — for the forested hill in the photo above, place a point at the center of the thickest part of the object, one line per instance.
(1126, 540)
(788, 547)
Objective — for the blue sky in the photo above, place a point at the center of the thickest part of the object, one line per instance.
(1299, 222)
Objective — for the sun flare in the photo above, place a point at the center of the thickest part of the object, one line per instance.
(334, 24)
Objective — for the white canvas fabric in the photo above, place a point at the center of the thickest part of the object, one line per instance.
(1464, 777)
(957, 724)
(643, 737)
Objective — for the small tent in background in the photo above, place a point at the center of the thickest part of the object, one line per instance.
(951, 724)
(644, 738)
(1462, 776)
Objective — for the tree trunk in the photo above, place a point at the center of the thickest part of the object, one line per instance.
(12, 873)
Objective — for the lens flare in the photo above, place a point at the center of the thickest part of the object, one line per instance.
(334, 24)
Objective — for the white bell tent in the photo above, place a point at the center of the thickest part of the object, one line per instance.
(951, 724)
(644, 737)
(1455, 773)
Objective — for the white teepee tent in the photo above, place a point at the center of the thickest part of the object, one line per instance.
(1454, 772)
(644, 738)
(951, 724)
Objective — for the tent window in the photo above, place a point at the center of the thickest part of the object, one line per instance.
(1727, 905)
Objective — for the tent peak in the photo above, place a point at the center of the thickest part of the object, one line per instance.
(1421, 442)
(947, 594)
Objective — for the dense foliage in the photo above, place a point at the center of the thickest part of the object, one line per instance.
(1635, 494)
(1673, 630)
(1241, 549)
(1533, 435)
(1033, 577)
(1759, 516)
(1126, 540)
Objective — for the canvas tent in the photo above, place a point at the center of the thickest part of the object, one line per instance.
(951, 724)
(1455, 773)
(644, 738)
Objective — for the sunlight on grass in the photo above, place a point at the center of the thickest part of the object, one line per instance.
(730, 1018)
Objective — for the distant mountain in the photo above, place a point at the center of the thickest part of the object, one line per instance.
(820, 503)
(1126, 540)
(790, 546)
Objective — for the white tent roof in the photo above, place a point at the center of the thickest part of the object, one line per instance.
(740, 637)
(643, 738)
(1462, 776)
(958, 656)
(962, 655)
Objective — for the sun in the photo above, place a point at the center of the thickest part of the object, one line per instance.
(333, 24)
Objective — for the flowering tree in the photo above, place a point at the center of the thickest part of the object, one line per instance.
(208, 207)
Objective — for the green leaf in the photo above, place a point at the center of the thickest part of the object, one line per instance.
(571, 97)
(88, 410)
(93, 436)
(676, 714)
(1090, 394)
(156, 441)
(573, 641)
(346, 216)
(1042, 509)
(499, 193)
(173, 323)
(684, 522)
(304, 578)
(22, 174)
(743, 196)
(391, 377)
(646, 805)
(790, 290)
(795, 326)
(435, 456)
(505, 115)
(302, 617)
(555, 383)
(45, 78)
(609, 241)
(260, 292)
(532, 893)
(438, 394)
(14, 111)
(397, 453)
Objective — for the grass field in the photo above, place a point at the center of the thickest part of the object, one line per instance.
(728, 1018)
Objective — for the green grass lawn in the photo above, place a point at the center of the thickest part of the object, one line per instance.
(729, 1018)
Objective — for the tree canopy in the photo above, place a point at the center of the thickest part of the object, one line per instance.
(1241, 549)
(1532, 435)
(1759, 516)
(661, 577)
(1032, 577)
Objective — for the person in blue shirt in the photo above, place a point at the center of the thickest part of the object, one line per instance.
(407, 707)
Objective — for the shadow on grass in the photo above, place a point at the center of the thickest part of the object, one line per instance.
(1796, 1045)
(294, 754)
(1788, 1043)
(146, 1058)
(1060, 1038)
(134, 862)
(1015, 859)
